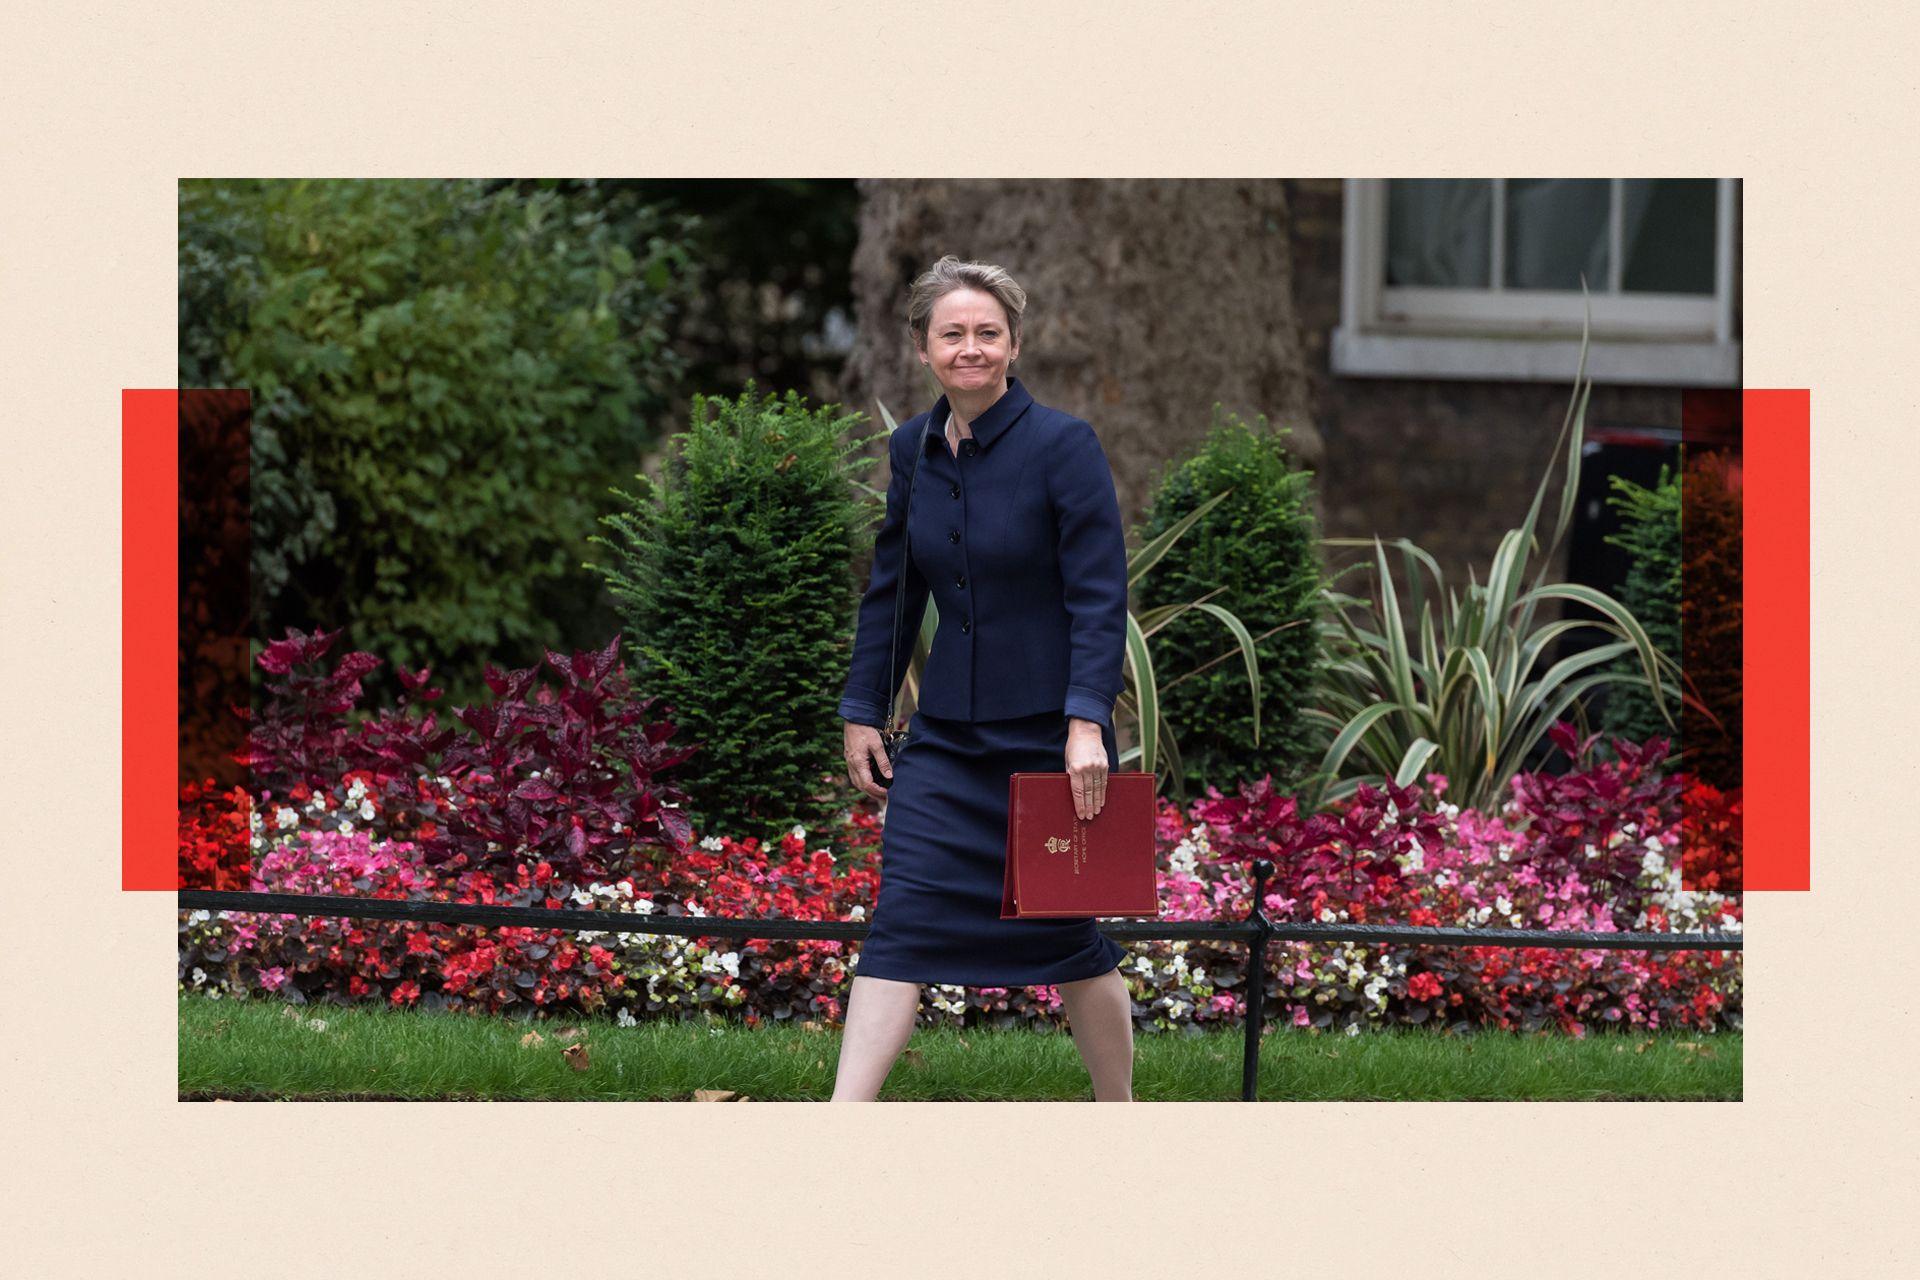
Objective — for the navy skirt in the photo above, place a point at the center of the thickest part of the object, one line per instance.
(943, 854)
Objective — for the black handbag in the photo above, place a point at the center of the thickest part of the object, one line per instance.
(892, 736)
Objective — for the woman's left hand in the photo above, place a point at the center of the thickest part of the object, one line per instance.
(1086, 767)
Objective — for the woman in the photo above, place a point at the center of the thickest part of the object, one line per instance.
(1016, 535)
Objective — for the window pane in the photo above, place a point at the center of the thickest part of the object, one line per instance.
(1440, 232)
(1668, 233)
(1556, 229)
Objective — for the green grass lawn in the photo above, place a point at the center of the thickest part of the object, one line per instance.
(254, 1050)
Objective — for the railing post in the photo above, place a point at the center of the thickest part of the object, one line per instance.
(1256, 982)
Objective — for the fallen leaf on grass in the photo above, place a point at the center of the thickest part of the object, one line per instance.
(915, 1057)
(317, 1024)
(820, 1063)
(531, 1039)
(576, 1056)
(713, 1095)
(567, 1033)
(811, 1025)
(1643, 1046)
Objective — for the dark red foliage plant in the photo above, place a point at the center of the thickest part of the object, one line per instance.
(1570, 819)
(566, 771)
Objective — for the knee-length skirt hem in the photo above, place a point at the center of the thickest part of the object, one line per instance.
(943, 861)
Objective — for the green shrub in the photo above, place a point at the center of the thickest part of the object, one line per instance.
(732, 575)
(1256, 554)
(445, 380)
(1650, 533)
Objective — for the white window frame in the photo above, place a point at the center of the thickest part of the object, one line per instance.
(1533, 334)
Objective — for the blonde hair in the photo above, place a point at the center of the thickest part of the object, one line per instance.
(948, 274)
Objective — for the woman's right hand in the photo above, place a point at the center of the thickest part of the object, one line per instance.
(865, 750)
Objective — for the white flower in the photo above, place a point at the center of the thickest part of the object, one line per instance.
(582, 896)
(857, 912)
(366, 810)
(199, 917)
(1353, 1028)
(346, 827)
(1199, 975)
(286, 818)
(199, 975)
(1503, 905)
(625, 1018)
(711, 844)
(799, 832)
(624, 887)
(643, 905)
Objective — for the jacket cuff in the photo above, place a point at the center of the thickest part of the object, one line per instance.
(862, 710)
(1088, 705)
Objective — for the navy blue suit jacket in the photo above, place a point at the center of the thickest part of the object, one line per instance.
(1018, 541)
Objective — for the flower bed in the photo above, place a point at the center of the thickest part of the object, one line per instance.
(532, 819)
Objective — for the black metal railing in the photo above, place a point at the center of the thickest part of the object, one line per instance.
(1255, 931)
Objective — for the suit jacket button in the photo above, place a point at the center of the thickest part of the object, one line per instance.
(953, 535)
(971, 447)
(959, 579)
(955, 490)
(966, 623)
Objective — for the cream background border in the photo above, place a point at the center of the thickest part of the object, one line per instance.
(107, 105)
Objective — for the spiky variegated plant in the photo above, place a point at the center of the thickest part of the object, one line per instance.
(1468, 702)
(1140, 698)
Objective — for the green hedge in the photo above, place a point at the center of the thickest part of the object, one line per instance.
(1260, 544)
(732, 575)
(1650, 533)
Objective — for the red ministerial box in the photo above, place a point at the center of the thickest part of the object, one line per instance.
(1060, 865)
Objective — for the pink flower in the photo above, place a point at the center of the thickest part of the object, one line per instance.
(273, 979)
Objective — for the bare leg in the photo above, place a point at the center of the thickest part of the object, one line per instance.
(880, 1014)
(1100, 1015)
